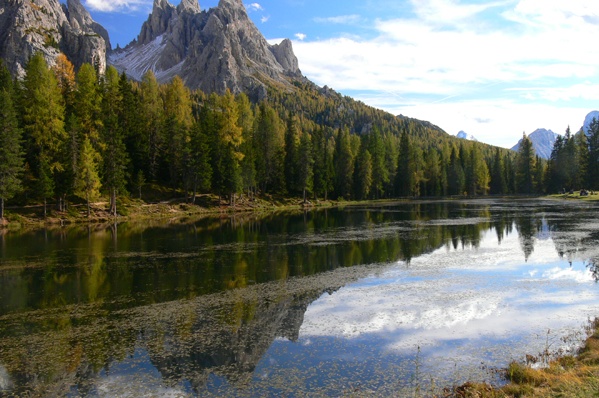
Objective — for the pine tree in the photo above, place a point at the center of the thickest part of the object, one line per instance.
(87, 184)
(380, 173)
(305, 171)
(42, 109)
(292, 141)
(115, 157)
(269, 147)
(363, 174)
(525, 166)
(593, 159)
(152, 119)
(344, 164)
(11, 155)
(498, 185)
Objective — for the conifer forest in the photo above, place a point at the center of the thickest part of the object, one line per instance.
(74, 137)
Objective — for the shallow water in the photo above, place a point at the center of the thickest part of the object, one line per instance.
(402, 298)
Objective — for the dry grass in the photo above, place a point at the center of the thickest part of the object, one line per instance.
(567, 376)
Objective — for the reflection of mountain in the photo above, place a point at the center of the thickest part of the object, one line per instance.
(225, 334)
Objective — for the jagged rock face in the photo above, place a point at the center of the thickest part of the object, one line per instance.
(212, 50)
(27, 27)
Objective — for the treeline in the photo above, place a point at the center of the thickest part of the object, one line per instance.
(67, 135)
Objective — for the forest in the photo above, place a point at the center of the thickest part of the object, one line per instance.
(74, 137)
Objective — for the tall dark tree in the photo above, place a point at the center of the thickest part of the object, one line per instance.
(42, 110)
(525, 166)
(11, 154)
(305, 171)
(498, 185)
(593, 158)
(115, 156)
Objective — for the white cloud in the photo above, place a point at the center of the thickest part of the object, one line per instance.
(265, 18)
(341, 19)
(117, 5)
(442, 65)
(300, 36)
(255, 7)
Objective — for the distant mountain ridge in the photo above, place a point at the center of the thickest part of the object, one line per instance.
(542, 142)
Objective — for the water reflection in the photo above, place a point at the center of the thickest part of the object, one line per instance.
(325, 299)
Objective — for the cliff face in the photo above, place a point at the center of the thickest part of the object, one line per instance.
(212, 50)
(46, 26)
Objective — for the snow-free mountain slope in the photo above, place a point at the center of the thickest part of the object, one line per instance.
(542, 142)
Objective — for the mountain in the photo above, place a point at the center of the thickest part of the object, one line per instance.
(588, 119)
(542, 142)
(211, 50)
(465, 136)
(46, 26)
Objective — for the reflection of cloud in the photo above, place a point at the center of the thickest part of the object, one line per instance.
(5, 382)
(471, 294)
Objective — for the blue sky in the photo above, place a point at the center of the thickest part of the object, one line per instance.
(494, 69)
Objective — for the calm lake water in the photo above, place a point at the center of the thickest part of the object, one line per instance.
(390, 299)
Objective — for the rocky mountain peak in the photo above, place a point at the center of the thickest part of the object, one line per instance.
(542, 142)
(192, 6)
(212, 50)
(44, 26)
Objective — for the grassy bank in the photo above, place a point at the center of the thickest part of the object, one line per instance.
(567, 376)
(156, 206)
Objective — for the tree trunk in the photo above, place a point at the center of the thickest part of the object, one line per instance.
(304, 195)
(113, 202)
(1, 209)
(195, 191)
(45, 203)
(88, 207)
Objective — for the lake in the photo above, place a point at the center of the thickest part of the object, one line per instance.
(381, 299)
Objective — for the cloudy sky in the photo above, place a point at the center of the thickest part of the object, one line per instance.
(494, 69)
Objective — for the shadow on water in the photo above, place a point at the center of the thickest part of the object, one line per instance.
(196, 304)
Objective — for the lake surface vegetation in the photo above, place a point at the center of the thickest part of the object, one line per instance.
(402, 298)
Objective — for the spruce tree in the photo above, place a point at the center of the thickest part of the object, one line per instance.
(11, 156)
(87, 183)
(525, 166)
(115, 157)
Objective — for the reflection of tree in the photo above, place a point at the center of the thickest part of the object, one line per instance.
(593, 266)
(527, 229)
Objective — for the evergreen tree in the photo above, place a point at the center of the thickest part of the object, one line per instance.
(344, 164)
(246, 123)
(457, 179)
(88, 104)
(498, 184)
(42, 110)
(87, 184)
(433, 174)
(593, 157)
(11, 155)
(363, 174)
(525, 166)
(200, 173)
(305, 171)
(324, 147)
(152, 116)
(292, 140)
(231, 137)
(115, 153)
(404, 179)
(380, 172)
(269, 149)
